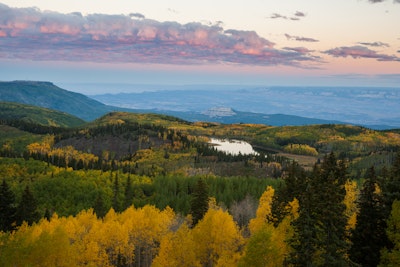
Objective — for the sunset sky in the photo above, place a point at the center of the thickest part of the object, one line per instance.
(252, 42)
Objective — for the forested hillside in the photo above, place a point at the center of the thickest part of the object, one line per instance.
(47, 95)
(132, 189)
(28, 114)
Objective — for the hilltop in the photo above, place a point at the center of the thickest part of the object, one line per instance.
(48, 95)
(36, 115)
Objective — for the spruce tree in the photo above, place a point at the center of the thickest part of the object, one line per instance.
(199, 201)
(99, 207)
(128, 193)
(27, 208)
(330, 191)
(391, 256)
(294, 184)
(304, 241)
(116, 203)
(392, 185)
(7, 208)
(369, 236)
(320, 230)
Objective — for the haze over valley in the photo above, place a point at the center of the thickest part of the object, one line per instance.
(356, 105)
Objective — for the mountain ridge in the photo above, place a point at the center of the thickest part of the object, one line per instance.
(47, 95)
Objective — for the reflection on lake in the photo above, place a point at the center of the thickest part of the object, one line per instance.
(232, 146)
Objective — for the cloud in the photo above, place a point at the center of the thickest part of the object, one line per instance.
(277, 16)
(359, 52)
(302, 50)
(136, 15)
(28, 33)
(296, 16)
(299, 38)
(374, 44)
(300, 14)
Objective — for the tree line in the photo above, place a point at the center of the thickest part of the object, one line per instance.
(316, 218)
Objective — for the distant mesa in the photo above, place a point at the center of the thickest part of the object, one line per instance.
(219, 112)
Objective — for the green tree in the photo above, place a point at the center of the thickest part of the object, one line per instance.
(369, 236)
(304, 240)
(116, 203)
(7, 207)
(199, 201)
(128, 193)
(320, 230)
(99, 207)
(27, 208)
(392, 185)
(391, 257)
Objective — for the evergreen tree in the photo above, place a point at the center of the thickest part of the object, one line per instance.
(99, 207)
(7, 207)
(392, 185)
(27, 208)
(128, 193)
(199, 201)
(304, 241)
(369, 236)
(391, 256)
(330, 192)
(116, 204)
(294, 185)
(320, 230)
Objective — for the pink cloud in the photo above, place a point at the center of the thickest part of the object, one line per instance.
(359, 52)
(29, 33)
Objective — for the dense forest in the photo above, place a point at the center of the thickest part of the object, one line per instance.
(149, 190)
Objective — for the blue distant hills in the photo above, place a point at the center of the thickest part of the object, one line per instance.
(376, 108)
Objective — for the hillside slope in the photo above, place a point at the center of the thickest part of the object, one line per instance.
(48, 95)
(37, 115)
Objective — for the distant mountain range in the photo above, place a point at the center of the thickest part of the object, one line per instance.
(187, 105)
(377, 108)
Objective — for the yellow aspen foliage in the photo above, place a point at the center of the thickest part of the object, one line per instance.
(268, 245)
(217, 239)
(43, 244)
(350, 199)
(113, 237)
(146, 227)
(176, 249)
(263, 210)
(86, 249)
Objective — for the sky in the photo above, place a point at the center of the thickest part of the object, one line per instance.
(242, 42)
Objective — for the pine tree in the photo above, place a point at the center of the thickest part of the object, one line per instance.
(116, 204)
(331, 221)
(304, 241)
(391, 256)
(7, 208)
(392, 185)
(128, 193)
(369, 236)
(320, 230)
(292, 188)
(199, 201)
(99, 207)
(27, 208)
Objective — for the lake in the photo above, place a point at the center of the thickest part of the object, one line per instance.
(232, 146)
